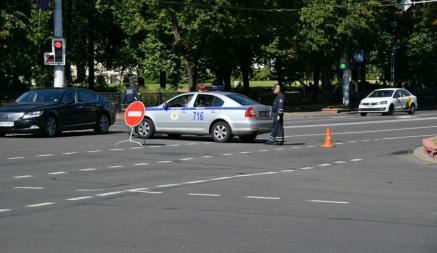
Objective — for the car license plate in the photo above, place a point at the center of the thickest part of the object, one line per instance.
(264, 114)
(6, 124)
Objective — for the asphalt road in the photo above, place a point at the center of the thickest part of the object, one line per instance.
(81, 193)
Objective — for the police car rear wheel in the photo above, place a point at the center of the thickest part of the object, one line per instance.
(221, 132)
(247, 138)
(146, 129)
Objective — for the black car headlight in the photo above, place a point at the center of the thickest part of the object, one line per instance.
(34, 114)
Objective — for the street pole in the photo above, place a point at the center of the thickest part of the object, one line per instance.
(59, 69)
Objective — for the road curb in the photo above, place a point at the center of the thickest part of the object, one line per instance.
(420, 155)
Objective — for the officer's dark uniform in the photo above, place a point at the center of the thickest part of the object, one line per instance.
(131, 94)
(277, 136)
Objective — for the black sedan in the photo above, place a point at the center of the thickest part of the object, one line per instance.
(50, 111)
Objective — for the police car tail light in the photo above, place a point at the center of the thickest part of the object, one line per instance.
(250, 113)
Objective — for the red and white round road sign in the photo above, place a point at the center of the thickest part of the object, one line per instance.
(134, 114)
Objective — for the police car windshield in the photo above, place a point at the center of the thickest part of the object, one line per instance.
(41, 96)
(381, 93)
(242, 100)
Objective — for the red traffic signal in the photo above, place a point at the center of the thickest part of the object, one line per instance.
(58, 44)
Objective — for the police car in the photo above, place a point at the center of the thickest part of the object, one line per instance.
(219, 114)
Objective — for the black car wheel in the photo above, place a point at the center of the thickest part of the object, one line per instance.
(363, 114)
(50, 127)
(102, 126)
(221, 131)
(412, 109)
(146, 129)
(247, 138)
(2, 134)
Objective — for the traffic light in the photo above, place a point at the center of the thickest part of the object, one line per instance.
(59, 51)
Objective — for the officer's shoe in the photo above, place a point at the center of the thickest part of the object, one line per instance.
(278, 143)
(269, 142)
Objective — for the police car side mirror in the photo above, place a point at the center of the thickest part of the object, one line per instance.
(165, 105)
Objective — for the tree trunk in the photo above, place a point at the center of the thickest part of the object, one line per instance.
(227, 79)
(190, 64)
(245, 73)
(162, 79)
(91, 73)
(81, 73)
(326, 84)
(316, 79)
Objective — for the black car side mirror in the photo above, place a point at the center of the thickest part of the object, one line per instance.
(68, 102)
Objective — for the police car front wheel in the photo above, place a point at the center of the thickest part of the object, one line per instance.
(221, 131)
(146, 129)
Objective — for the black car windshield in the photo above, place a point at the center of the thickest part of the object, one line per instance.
(242, 100)
(41, 96)
(381, 93)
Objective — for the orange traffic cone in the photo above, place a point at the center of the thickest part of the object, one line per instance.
(328, 139)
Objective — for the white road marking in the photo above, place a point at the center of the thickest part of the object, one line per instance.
(151, 192)
(195, 182)
(406, 137)
(261, 197)
(5, 210)
(94, 151)
(277, 149)
(138, 190)
(154, 146)
(107, 194)
(136, 148)
(257, 174)
(327, 201)
(356, 160)
(295, 147)
(44, 155)
(288, 170)
(364, 132)
(41, 204)
(141, 164)
(186, 159)
(173, 145)
(219, 178)
(57, 173)
(324, 165)
(89, 190)
(362, 123)
(191, 144)
(115, 166)
(165, 161)
(307, 168)
(206, 156)
(88, 169)
(339, 143)
(376, 139)
(25, 176)
(204, 194)
(15, 158)
(227, 154)
(28, 188)
(246, 152)
(116, 149)
(70, 153)
(310, 146)
(340, 162)
(79, 198)
(262, 150)
(352, 141)
(365, 140)
(166, 185)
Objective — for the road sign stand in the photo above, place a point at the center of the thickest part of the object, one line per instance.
(133, 116)
(130, 139)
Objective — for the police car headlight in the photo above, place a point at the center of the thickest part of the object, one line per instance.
(30, 115)
(383, 102)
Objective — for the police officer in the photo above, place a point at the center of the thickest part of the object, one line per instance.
(131, 93)
(277, 136)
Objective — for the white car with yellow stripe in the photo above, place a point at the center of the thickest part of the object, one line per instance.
(219, 114)
(388, 101)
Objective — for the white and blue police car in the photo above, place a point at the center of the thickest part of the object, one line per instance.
(219, 114)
